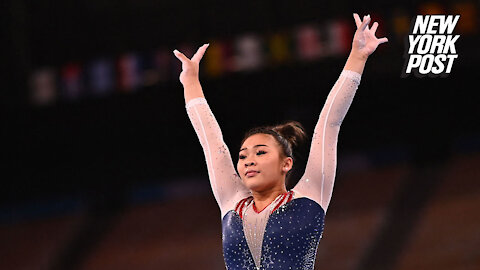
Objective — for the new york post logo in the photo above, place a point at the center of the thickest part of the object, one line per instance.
(431, 46)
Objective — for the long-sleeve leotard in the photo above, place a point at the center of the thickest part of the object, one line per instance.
(227, 186)
(319, 177)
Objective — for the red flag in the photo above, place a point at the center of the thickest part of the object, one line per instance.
(129, 72)
(72, 81)
(162, 64)
(340, 33)
(309, 44)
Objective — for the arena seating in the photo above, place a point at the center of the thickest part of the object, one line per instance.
(355, 214)
(35, 245)
(180, 234)
(448, 235)
(185, 233)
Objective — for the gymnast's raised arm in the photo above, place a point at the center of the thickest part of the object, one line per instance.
(226, 185)
(318, 180)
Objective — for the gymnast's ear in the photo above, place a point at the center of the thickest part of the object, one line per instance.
(288, 164)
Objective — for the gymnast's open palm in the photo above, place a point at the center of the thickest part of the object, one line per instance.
(364, 41)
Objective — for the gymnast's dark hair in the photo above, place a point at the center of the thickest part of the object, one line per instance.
(291, 136)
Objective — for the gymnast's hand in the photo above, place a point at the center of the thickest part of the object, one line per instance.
(190, 67)
(364, 41)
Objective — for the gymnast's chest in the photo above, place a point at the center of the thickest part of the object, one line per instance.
(289, 227)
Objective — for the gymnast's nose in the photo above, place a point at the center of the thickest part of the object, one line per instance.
(249, 163)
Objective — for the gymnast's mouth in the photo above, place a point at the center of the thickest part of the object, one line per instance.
(251, 173)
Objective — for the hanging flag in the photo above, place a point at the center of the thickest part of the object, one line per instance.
(279, 47)
(339, 37)
(161, 66)
(248, 53)
(100, 75)
(129, 72)
(228, 57)
(72, 81)
(43, 87)
(213, 60)
(219, 59)
(309, 44)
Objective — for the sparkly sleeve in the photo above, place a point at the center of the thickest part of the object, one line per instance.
(226, 185)
(318, 180)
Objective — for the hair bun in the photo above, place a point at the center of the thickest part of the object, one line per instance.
(292, 131)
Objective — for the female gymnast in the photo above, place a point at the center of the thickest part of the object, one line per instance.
(264, 226)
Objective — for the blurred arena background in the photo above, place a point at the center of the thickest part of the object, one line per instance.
(102, 169)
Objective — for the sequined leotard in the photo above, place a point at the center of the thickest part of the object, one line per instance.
(286, 234)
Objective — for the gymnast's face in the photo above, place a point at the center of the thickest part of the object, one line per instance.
(261, 154)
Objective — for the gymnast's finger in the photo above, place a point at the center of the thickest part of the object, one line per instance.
(374, 27)
(382, 40)
(180, 56)
(200, 52)
(366, 21)
(357, 20)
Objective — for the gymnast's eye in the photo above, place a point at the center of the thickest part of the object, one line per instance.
(241, 157)
(261, 152)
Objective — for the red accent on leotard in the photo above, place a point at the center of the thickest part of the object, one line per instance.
(290, 196)
(238, 205)
(280, 203)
